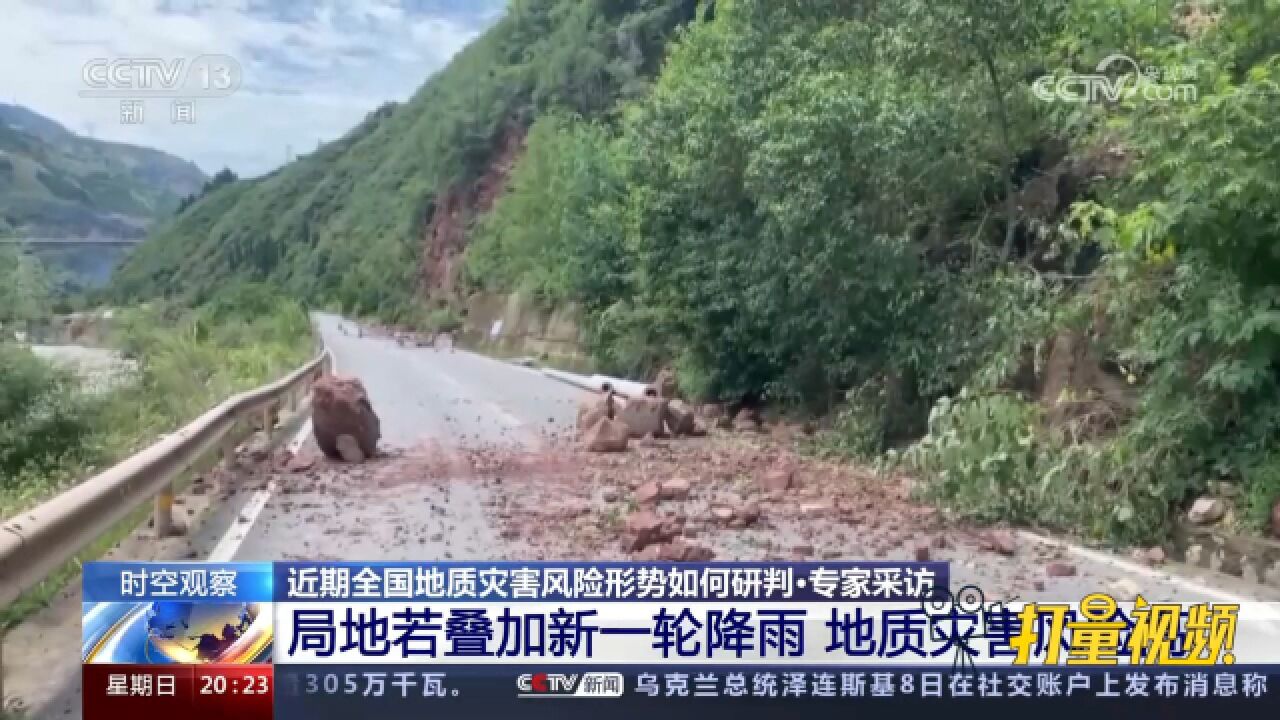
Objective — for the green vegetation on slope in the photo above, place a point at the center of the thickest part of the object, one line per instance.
(54, 183)
(53, 434)
(1065, 312)
(345, 225)
(1060, 313)
(24, 290)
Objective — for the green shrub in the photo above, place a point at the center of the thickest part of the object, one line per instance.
(52, 434)
(46, 426)
(981, 456)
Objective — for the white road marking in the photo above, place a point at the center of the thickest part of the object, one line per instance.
(230, 543)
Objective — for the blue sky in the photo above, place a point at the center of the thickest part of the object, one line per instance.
(311, 68)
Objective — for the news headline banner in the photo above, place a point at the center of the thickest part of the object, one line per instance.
(610, 582)
(784, 614)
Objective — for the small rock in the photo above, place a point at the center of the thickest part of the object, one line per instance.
(610, 494)
(643, 528)
(1060, 569)
(1038, 585)
(648, 493)
(922, 553)
(815, 510)
(676, 489)
(1207, 510)
(722, 514)
(1000, 541)
(802, 551)
(679, 550)
(940, 542)
(777, 480)
(672, 526)
(1151, 556)
(301, 463)
(747, 515)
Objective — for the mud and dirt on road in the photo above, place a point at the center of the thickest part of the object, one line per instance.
(748, 497)
(729, 496)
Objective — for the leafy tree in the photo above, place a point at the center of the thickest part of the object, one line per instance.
(24, 286)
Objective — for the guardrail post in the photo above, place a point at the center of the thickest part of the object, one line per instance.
(229, 458)
(162, 516)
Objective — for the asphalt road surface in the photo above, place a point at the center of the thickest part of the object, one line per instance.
(441, 403)
(433, 406)
(443, 413)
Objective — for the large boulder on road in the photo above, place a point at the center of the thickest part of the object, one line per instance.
(340, 406)
(595, 408)
(645, 416)
(607, 436)
(681, 420)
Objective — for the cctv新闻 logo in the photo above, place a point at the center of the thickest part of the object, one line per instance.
(1129, 81)
(575, 685)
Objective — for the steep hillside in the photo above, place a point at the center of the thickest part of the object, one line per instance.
(375, 219)
(54, 183)
(1053, 310)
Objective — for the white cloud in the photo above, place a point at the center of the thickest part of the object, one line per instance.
(310, 70)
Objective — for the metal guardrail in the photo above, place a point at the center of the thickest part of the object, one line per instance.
(36, 542)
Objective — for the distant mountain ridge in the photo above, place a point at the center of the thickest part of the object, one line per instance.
(55, 183)
(378, 219)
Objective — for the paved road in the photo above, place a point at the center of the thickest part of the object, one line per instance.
(432, 404)
(437, 403)
(420, 503)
